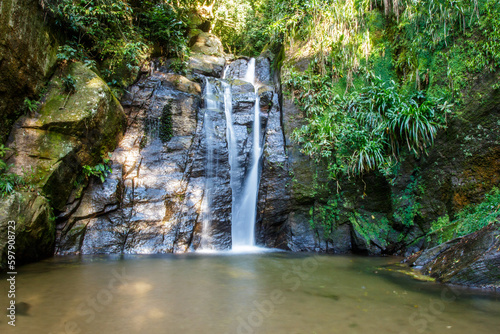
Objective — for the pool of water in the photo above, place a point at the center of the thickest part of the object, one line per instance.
(244, 293)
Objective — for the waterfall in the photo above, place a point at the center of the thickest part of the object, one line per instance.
(231, 141)
(245, 208)
(250, 75)
(244, 180)
(212, 162)
(211, 99)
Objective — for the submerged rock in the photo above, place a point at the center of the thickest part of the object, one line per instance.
(473, 260)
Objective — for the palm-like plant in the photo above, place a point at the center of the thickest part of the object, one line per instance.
(365, 130)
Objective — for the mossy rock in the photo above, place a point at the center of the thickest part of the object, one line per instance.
(28, 50)
(194, 32)
(71, 130)
(208, 44)
(121, 76)
(90, 106)
(183, 84)
(34, 231)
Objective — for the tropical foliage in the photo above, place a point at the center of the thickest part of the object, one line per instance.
(468, 220)
(100, 170)
(114, 33)
(367, 129)
(8, 181)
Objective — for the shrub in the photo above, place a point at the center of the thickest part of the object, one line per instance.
(367, 129)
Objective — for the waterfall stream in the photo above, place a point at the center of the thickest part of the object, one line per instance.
(245, 210)
(244, 180)
(211, 105)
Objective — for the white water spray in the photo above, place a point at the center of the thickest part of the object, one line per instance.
(244, 192)
(211, 166)
(245, 210)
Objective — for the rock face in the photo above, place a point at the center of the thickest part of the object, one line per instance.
(49, 149)
(473, 260)
(460, 168)
(151, 201)
(174, 193)
(27, 56)
(71, 130)
(34, 228)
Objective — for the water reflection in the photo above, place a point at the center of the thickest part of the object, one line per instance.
(246, 293)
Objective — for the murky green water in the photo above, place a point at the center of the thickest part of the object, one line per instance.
(254, 293)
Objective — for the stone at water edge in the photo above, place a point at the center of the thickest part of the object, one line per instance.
(473, 260)
(35, 230)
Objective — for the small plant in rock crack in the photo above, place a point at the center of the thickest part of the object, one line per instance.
(101, 170)
(8, 181)
(166, 129)
(30, 106)
(69, 84)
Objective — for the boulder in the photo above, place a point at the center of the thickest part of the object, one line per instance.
(34, 227)
(208, 44)
(182, 83)
(28, 55)
(71, 130)
(207, 65)
(473, 260)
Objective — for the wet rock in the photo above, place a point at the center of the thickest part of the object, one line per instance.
(208, 44)
(237, 69)
(266, 94)
(263, 70)
(473, 260)
(432, 253)
(274, 191)
(208, 65)
(241, 87)
(302, 238)
(367, 247)
(35, 230)
(341, 239)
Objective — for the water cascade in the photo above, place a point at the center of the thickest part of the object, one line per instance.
(211, 105)
(186, 173)
(231, 140)
(245, 206)
(244, 177)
